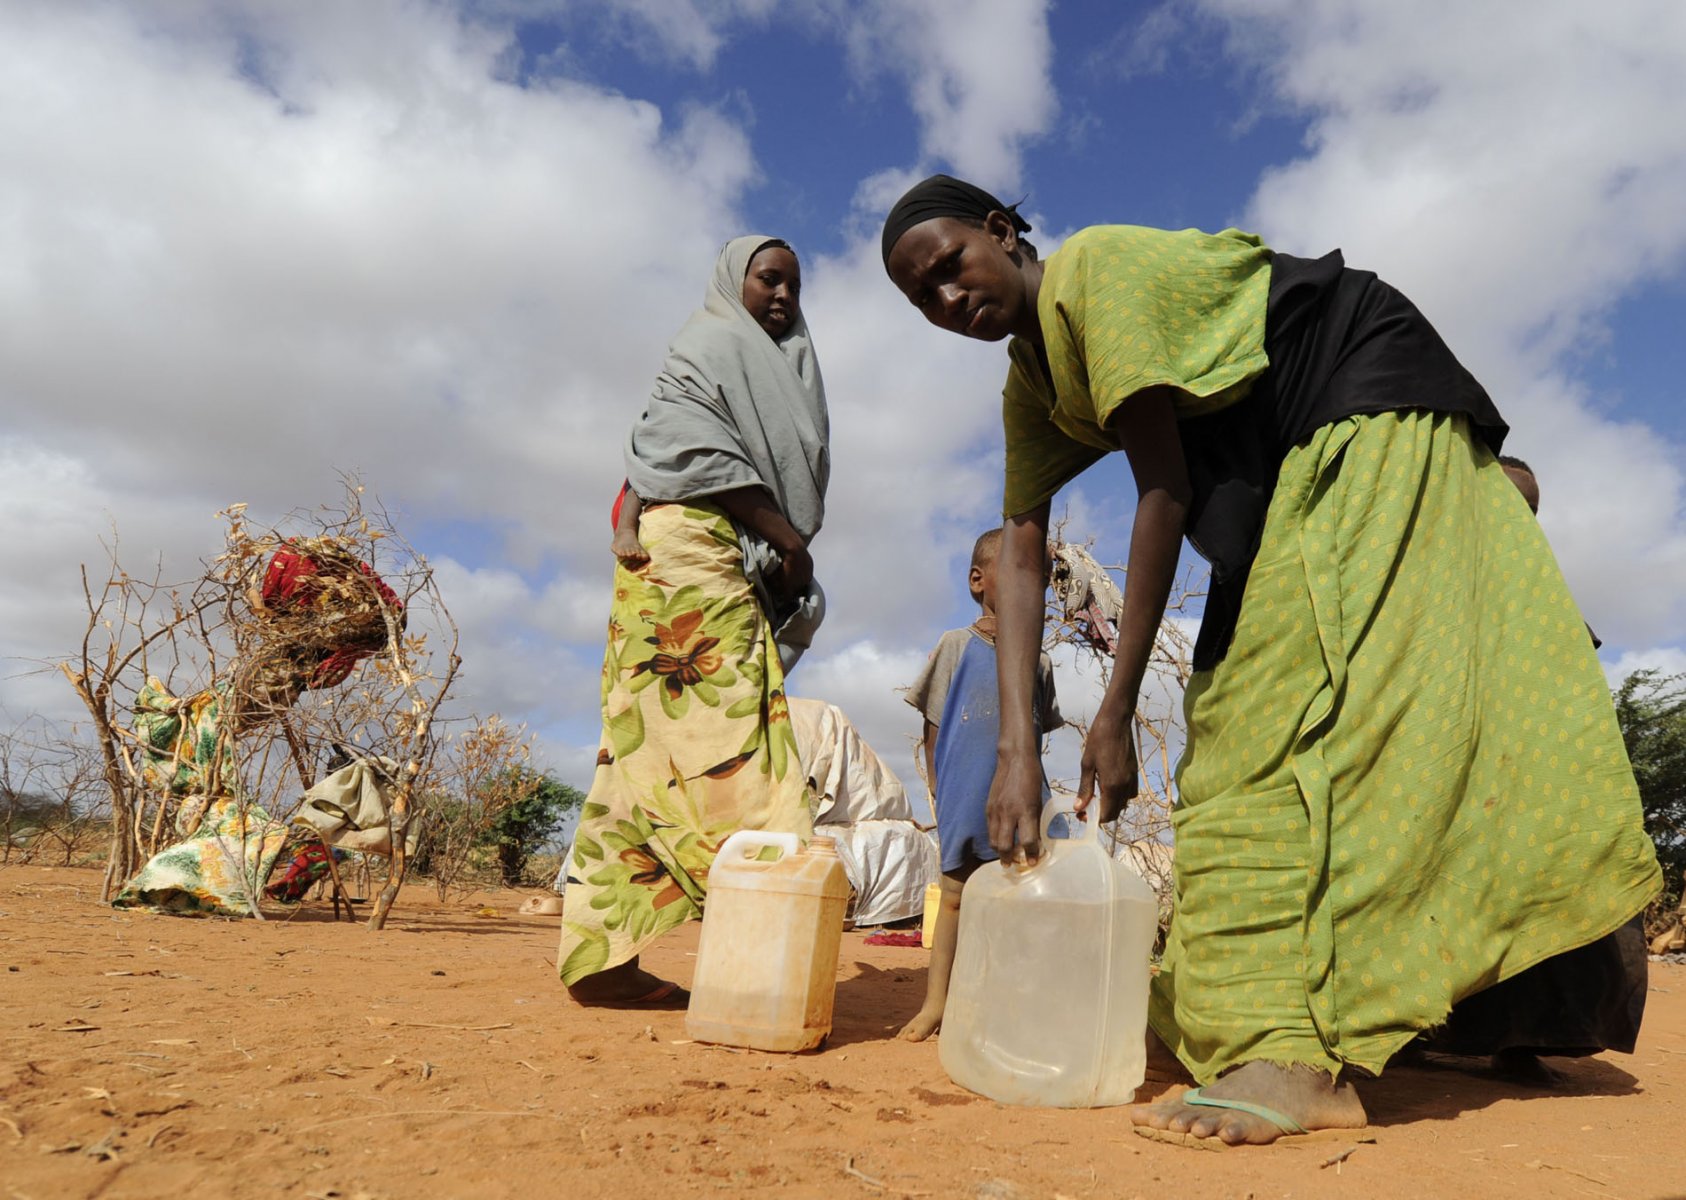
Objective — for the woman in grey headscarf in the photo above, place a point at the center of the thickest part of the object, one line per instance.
(727, 471)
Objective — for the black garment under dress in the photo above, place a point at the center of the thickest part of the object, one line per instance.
(1341, 343)
(1581, 1002)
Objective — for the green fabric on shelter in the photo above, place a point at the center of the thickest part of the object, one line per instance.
(1124, 308)
(1405, 781)
(180, 738)
(216, 871)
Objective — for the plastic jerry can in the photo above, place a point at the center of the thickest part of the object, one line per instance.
(1048, 1001)
(933, 906)
(767, 961)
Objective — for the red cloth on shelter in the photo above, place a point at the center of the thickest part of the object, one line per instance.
(297, 581)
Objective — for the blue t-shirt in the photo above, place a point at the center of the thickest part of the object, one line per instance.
(959, 694)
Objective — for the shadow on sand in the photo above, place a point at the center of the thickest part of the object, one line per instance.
(1441, 1087)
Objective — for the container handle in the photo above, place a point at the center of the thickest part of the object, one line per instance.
(1060, 806)
(745, 844)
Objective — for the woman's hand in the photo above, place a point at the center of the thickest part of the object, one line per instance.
(1109, 768)
(1015, 807)
(796, 570)
(754, 508)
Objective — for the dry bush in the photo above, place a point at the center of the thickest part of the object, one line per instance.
(51, 800)
(248, 679)
(1143, 830)
(481, 773)
(53, 806)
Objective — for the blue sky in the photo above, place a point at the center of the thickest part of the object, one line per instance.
(444, 245)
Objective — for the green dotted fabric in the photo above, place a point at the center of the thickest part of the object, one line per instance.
(1405, 781)
(1123, 308)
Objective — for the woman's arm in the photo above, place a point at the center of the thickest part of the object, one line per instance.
(1146, 427)
(1015, 795)
(754, 509)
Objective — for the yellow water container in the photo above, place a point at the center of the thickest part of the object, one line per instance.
(933, 906)
(766, 973)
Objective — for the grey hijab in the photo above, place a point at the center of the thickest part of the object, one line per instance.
(733, 408)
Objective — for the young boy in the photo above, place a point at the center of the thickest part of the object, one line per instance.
(957, 695)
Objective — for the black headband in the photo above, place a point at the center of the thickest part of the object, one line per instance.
(943, 196)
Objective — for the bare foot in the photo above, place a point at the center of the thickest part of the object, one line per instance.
(1162, 1065)
(923, 1025)
(1304, 1095)
(1524, 1066)
(628, 986)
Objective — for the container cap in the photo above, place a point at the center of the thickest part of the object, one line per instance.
(822, 845)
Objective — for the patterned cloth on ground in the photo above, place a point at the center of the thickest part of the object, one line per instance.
(215, 872)
(1405, 781)
(696, 742)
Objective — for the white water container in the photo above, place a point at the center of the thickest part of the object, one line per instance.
(766, 973)
(1048, 1001)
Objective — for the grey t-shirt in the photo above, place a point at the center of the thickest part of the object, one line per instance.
(930, 690)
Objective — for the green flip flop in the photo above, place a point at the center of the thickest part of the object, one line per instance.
(1282, 1121)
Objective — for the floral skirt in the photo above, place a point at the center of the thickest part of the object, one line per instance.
(697, 742)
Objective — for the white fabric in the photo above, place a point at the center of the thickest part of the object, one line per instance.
(851, 783)
(889, 864)
(861, 803)
(350, 808)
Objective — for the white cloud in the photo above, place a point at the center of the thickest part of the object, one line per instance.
(978, 74)
(1667, 660)
(246, 247)
(1514, 177)
(379, 259)
(243, 249)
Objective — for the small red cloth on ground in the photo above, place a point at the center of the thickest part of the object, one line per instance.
(886, 937)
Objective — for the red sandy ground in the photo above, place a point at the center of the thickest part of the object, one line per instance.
(147, 1056)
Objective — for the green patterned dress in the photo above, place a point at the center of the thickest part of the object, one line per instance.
(697, 742)
(1404, 781)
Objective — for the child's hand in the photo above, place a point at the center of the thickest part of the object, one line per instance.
(629, 550)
